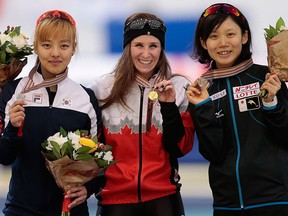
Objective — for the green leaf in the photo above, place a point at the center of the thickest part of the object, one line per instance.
(63, 132)
(44, 144)
(13, 48)
(56, 149)
(108, 148)
(271, 32)
(77, 132)
(70, 149)
(84, 157)
(102, 163)
(67, 149)
(16, 31)
(280, 23)
(83, 149)
(13, 34)
(95, 139)
(2, 56)
(49, 155)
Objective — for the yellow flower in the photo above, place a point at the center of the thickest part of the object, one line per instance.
(88, 142)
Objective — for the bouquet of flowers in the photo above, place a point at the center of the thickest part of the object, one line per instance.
(277, 44)
(74, 158)
(14, 48)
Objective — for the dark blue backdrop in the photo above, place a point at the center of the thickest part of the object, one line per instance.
(179, 35)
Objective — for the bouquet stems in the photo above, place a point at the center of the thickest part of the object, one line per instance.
(65, 209)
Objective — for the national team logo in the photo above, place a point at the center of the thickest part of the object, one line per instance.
(250, 103)
(66, 102)
(37, 98)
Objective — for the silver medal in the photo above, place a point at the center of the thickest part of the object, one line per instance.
(21, 96)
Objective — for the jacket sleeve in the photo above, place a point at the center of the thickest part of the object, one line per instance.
(276, 117)
(209, 132)
(94, 185)
(10, 143)
(178, 130)
(178, 126)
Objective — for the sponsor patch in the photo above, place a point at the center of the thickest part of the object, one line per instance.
(247, 104)
(218, 95)
(245, 91)
(37, 98)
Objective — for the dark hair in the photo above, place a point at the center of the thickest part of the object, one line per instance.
(208, 23)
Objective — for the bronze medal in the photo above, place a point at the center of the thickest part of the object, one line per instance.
(202, 82)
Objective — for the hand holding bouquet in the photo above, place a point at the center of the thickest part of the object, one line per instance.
(74, 158)
(14, 48)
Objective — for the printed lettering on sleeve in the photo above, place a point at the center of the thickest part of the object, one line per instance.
(218, 95)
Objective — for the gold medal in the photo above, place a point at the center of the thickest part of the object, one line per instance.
(153, 95)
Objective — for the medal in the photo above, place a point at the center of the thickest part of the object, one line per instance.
(202, 82)
(153, 95)
(21, 96)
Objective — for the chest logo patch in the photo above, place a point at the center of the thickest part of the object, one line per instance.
(245, 91)
(37, 98)
(247, 104)
(66, 102)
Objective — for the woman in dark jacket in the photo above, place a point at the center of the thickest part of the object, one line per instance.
(240, 134)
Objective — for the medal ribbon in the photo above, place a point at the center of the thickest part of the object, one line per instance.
(141, 81)
(231, 71)
(30, 85)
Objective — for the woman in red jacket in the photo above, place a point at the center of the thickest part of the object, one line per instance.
(145, 118)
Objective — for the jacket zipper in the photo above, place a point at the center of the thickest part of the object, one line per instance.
(140, 143)
(237, 142)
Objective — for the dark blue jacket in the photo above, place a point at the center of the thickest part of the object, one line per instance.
(32, 189)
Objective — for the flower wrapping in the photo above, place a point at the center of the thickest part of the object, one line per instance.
(74, 158)
(9, 72)
(277, 44)
(70, 173)
(277, 49)
(14, 49)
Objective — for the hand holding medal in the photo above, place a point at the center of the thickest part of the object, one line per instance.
(197, 91)
(17, 114)
(163, 91)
